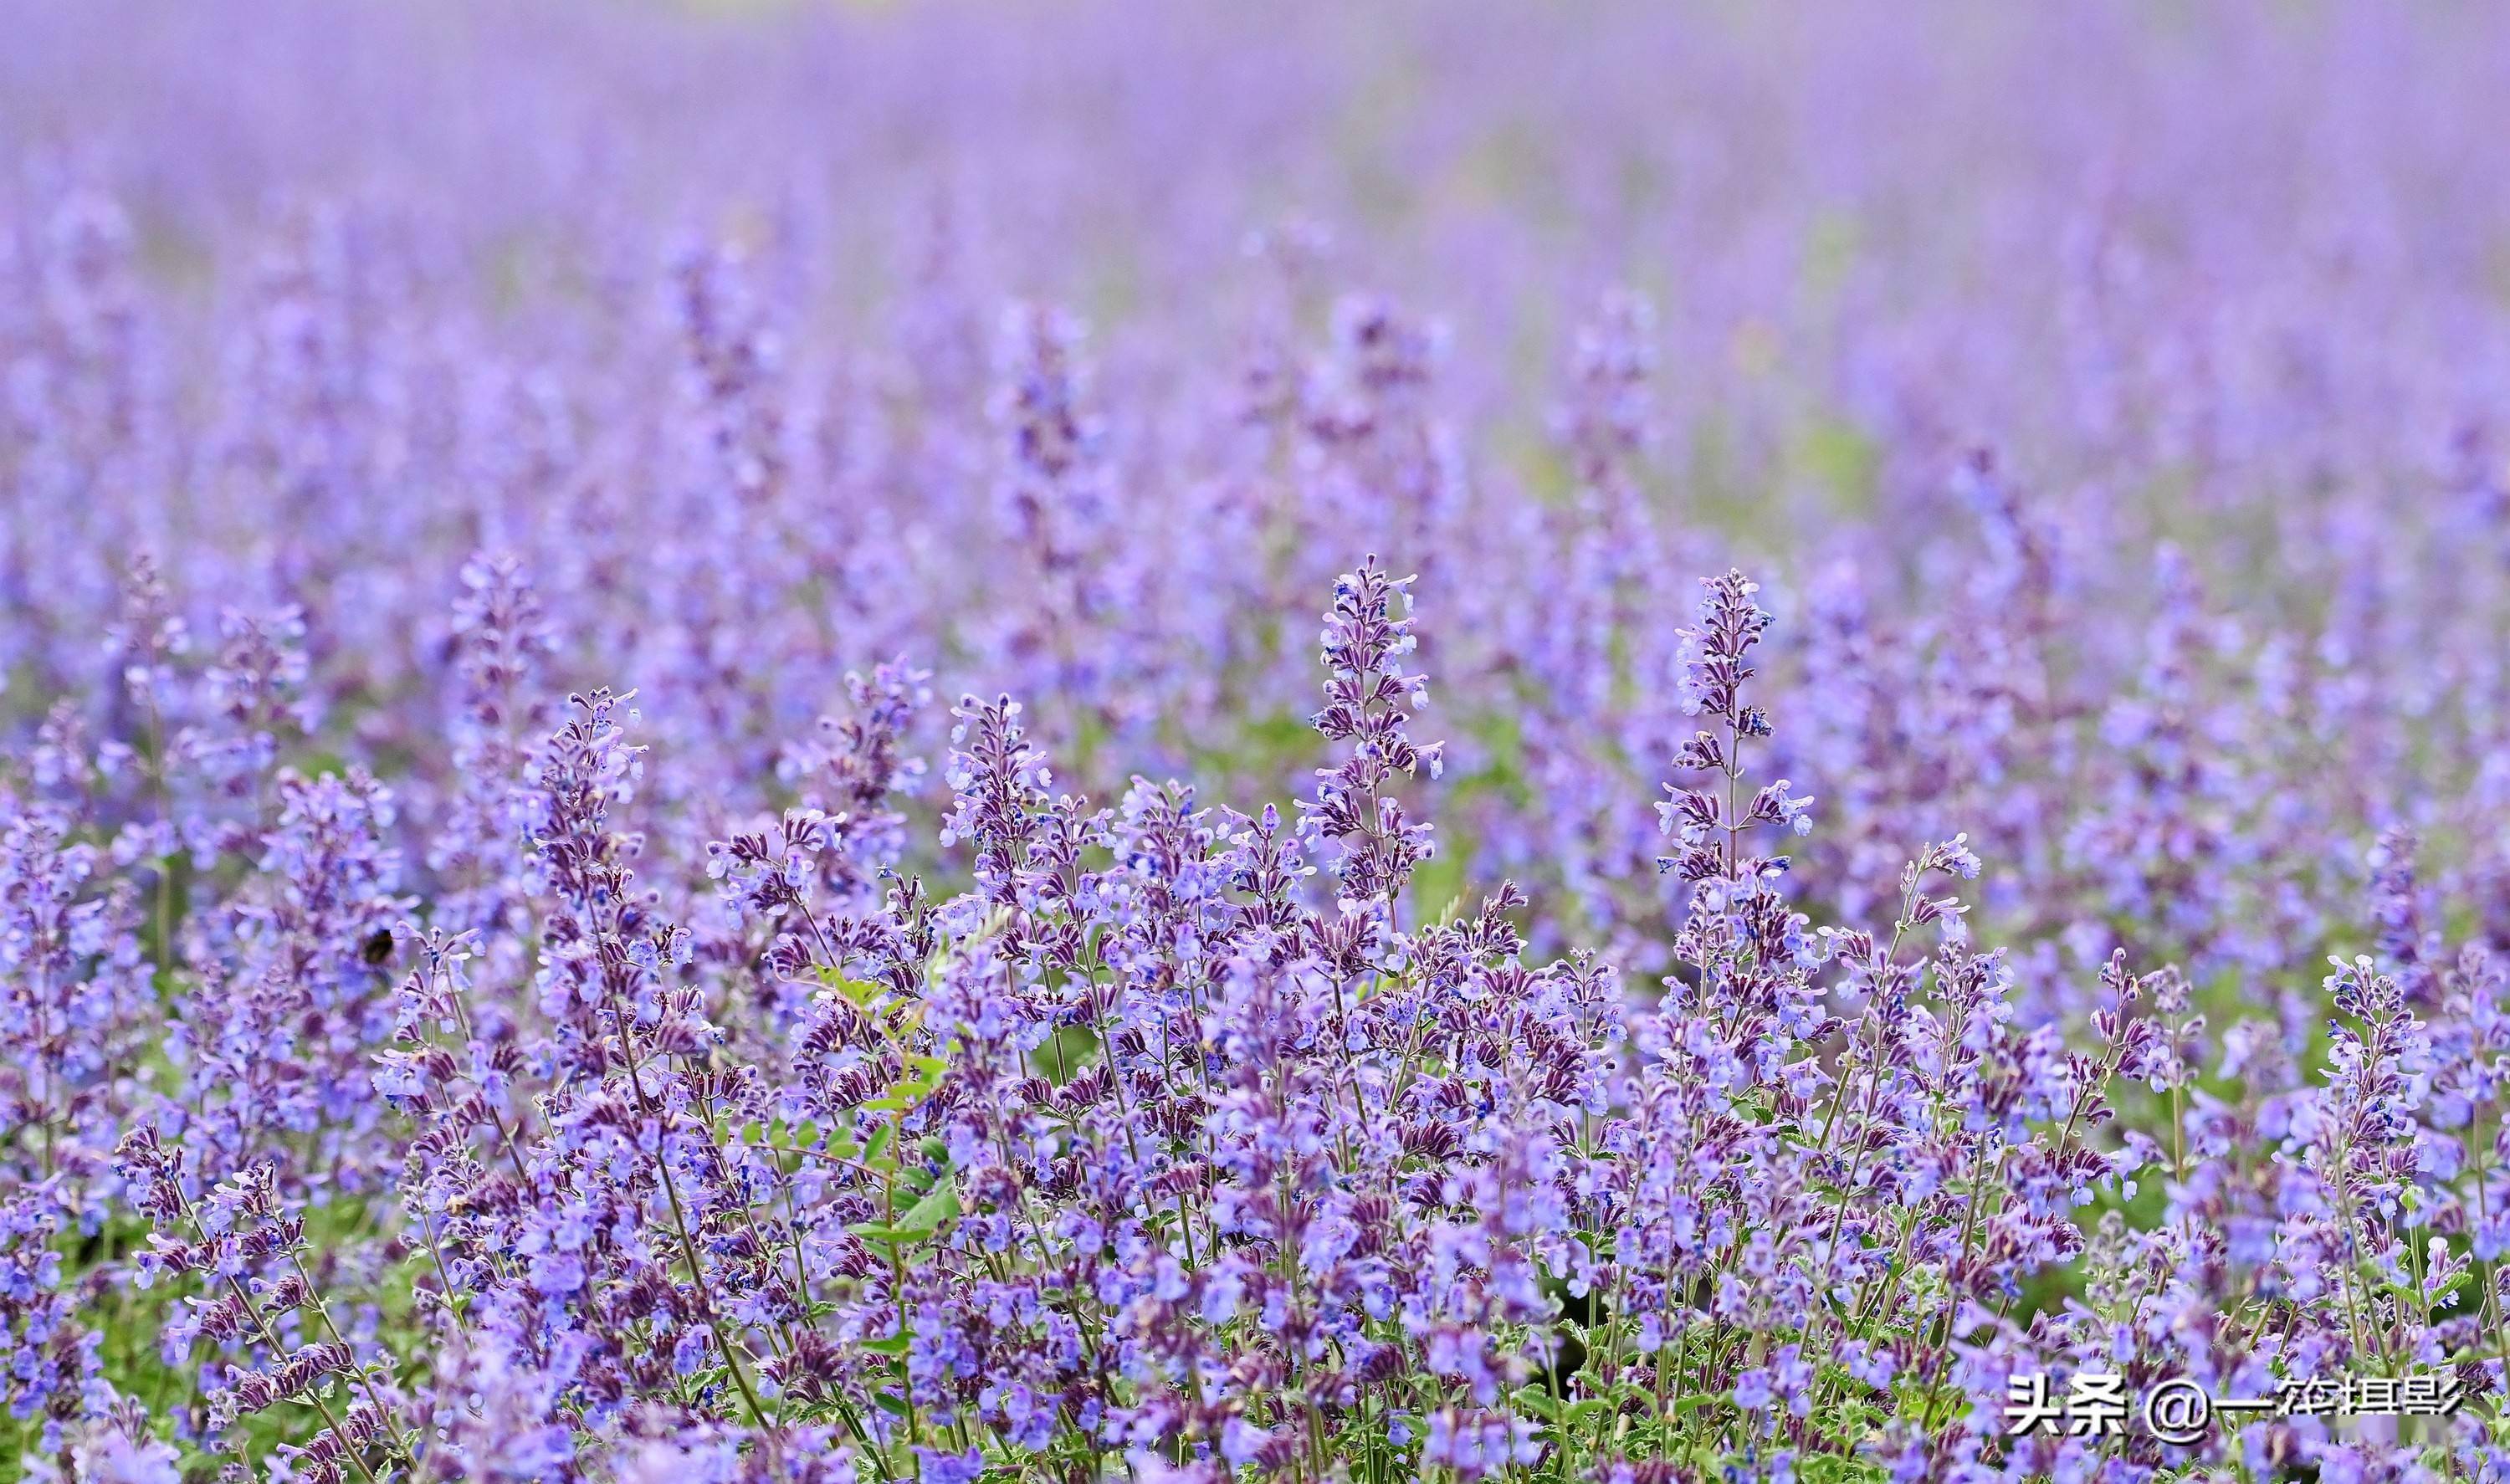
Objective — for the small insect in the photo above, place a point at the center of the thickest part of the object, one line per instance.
(379, 948)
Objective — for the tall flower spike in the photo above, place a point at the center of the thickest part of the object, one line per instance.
(1709, 822)
(1000, 784)
(1367, 632)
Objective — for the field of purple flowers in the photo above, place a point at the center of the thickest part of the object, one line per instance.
(716, 764)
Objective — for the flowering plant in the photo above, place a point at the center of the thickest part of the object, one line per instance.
(514, 966)
(1141, 1156)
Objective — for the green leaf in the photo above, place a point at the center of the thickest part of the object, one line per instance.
(856, 990)
(932, 1212)
(908, 1090)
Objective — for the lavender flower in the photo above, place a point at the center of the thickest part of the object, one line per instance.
(411, 1071)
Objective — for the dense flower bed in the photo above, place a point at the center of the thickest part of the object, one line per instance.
(512, 966)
